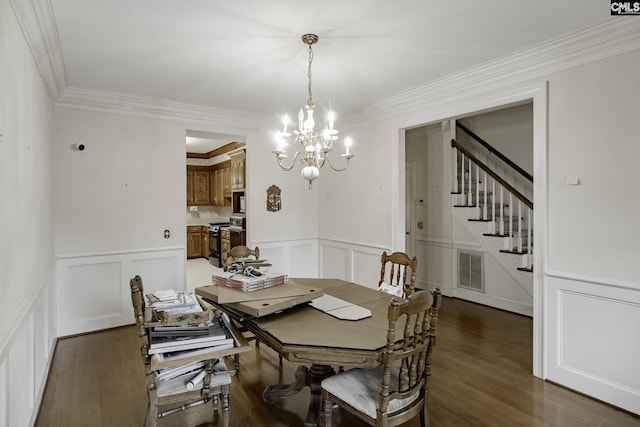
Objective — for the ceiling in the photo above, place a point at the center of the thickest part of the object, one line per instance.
(248, 56)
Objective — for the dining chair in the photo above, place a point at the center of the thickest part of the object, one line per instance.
(397, 390)
(172, 389)
(396, 281)
(239, 252)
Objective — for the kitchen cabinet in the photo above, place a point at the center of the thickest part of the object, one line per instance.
(198, 185)
(237, 170)
(201, 187)
(220, 187)
(190, 187)
(197, 241)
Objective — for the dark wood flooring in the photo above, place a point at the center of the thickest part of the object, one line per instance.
(482, 376)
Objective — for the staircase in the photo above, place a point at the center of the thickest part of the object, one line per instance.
(491, 199)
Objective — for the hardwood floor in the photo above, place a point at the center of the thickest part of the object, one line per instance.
(481, 377)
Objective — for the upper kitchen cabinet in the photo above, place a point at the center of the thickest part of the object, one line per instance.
(198, 186)
(237, 170)
(189, 186)
(220, 187)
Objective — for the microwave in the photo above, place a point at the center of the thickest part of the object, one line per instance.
(237, 223)
(238, 202)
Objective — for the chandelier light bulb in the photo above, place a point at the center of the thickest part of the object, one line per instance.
(331, 117)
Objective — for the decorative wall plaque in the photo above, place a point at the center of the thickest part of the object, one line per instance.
(273, 199)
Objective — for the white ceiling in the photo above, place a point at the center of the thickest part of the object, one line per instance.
(247, 55)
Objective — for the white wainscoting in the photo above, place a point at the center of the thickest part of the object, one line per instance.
(296, 258)
(592, 339)
(25, 359)
(356, 263)
(436, 265)
(93, 290)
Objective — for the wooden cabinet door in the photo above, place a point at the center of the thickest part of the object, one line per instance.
(201, 187)
(226, 185)
(212, 188)
(237, 171)
(194, 242)
(189, 187)
(241, 162)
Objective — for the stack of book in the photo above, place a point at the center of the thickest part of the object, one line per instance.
(172, 301)
(247, 283)
(208, 336)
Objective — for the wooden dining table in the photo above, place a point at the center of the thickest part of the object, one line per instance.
(320, 342)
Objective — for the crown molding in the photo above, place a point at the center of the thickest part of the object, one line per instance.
(36, 20)
(95, 100)
(610, 38)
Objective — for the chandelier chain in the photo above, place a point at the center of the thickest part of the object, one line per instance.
(310, 101)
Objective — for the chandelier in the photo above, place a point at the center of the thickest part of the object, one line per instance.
(315, 146)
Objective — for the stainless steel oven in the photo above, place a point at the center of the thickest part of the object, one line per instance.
(215, 243)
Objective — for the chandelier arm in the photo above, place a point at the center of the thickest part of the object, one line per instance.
(293, 162)
(346, 164)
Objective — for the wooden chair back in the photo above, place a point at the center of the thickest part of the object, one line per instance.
(407, 360)
(240, 252)
(396, 391)
(399, 263)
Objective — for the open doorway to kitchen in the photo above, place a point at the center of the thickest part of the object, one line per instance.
(215, 177)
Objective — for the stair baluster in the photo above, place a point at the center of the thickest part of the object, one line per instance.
(484, 206)
(510, 222)
(456, 184)
(519, 227)
(477, 201)
(502, 212)
(529, 241)
(493, 206)
(469, 193)
(461, 198)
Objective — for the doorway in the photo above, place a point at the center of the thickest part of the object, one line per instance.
(437, 251)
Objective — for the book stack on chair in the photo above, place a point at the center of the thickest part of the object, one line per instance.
(185, 327)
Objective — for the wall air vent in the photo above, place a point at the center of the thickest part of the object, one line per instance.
(471, 271)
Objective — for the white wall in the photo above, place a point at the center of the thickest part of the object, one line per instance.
(114, 199)
(27, 264)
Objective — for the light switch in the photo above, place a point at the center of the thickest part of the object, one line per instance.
(572, 180)
(193, 208)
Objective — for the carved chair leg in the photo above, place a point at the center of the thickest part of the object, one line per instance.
(216, 407)
(328, 406)
(424, 416)
(225, 407)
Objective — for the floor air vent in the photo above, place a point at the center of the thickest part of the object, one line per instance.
(470, 271)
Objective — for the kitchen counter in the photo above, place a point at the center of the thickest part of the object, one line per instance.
(206, 221)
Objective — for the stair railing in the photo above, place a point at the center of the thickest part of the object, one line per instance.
(494, 203)
(495, 152)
